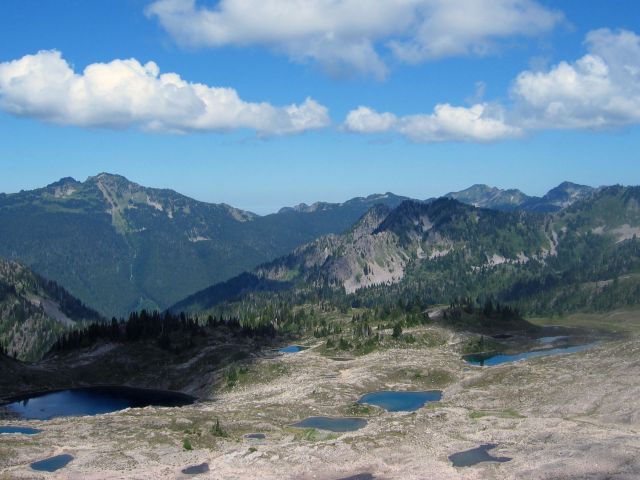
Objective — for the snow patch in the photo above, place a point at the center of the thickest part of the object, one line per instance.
(440, 253)
(496, 259)
(156, 205)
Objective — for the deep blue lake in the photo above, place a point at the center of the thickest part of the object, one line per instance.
(22, 430)
(52, 464)
(92, 401)
(497, 359)
(333, 424)
(292, 349)
(401, 401)
(468, 458)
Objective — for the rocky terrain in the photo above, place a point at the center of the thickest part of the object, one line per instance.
(557, 417)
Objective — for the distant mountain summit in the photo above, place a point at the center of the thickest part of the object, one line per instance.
(388, 199)
(556, 199)
(490, 197)
(565, 195)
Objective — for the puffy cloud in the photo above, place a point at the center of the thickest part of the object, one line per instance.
(463, 27)
(599, 90)
(479, 123)
(366, 120)
(125, 93)
(350, 34)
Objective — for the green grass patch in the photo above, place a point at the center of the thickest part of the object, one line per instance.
(508, 413)
(432, 339)
(308, 434)
(218, 431)
(235, 375)
(264, 372)
(625, 321)
(434, 378)
(360, 410)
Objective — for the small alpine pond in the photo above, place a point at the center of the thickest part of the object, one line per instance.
(52, 464)
(333, 424)
(196, 469)
(469, 458)
(489, 360)
(292, 349)
(19, 430)
(396, 401)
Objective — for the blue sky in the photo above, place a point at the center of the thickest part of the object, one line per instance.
(254, 152)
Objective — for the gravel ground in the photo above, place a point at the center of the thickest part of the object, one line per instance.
(561, 417)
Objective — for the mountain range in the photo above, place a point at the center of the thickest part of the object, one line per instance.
(444, 249)
(556, 199)
(118, 246)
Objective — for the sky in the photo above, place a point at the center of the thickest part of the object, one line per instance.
(266, 103)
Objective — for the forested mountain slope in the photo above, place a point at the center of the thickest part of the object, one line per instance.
(34, 311)
(585, 256)
(120, 247)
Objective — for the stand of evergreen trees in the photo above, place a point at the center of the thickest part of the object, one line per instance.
(163, 328)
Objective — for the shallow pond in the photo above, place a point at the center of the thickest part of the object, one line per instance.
(92, 401)
(292, 349)
(21, 430)
(401, 401)
(196, 469)
(359, 476)
(52, 464)
(497, 359)
(468, 458)
(333, 424)
(548, 340)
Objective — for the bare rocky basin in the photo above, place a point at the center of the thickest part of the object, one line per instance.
(571, 416)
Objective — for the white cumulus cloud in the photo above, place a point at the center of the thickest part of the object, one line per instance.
(599, 90)
(365, 120)
(479, 123)
(354, 35)
(125, 93)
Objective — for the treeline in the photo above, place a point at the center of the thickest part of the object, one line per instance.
(489, 309)
(484, 316)
(171, 332)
